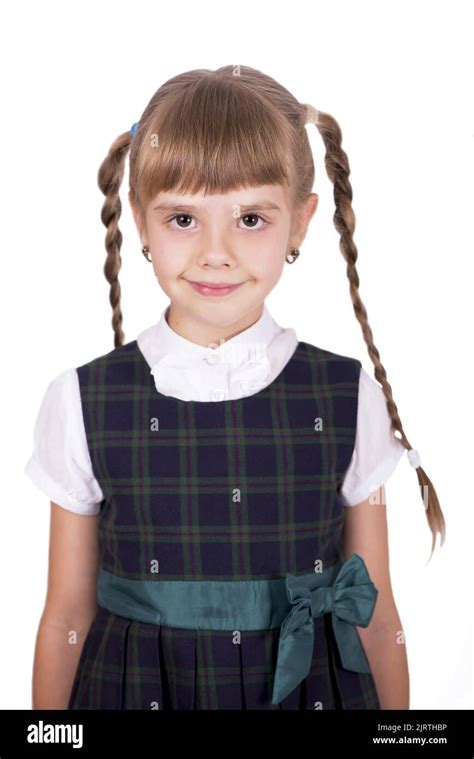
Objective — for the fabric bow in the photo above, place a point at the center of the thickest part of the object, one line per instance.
(351, 600)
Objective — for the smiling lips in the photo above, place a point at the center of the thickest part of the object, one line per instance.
(214, 288)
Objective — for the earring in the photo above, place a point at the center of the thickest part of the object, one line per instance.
(294, 255)
(145, 251)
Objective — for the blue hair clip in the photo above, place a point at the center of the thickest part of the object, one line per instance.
(134, 128)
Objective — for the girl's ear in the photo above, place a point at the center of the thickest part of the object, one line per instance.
(302, 218)
(138, 220)
(311, 206)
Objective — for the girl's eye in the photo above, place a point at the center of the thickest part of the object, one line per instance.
(252, 216)
(182, 220)
(179, 217)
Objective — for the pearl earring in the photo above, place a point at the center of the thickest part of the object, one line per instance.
(293, 255)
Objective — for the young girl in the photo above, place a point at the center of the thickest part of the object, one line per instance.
(218, 517)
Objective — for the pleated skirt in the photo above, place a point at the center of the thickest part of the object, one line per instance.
(126, 664)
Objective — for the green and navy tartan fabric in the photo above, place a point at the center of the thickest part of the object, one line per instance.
(229, 491)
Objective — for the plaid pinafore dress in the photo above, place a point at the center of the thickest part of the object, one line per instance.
(222, 583)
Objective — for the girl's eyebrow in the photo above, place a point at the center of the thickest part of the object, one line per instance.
(264, 206)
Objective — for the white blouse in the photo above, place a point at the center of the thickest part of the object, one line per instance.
(60, 464)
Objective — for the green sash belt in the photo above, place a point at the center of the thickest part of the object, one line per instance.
(290, 603)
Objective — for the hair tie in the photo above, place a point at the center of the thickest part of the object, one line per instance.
(414, 458)
(311, 114)
(134, 128)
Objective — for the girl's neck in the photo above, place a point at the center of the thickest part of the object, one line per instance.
(208, 334)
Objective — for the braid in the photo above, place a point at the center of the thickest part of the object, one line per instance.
(337, 167)
(110, 178)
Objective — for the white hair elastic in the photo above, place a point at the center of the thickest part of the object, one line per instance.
(311, 114)
(414, 458)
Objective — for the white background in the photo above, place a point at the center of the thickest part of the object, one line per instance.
(398, 78)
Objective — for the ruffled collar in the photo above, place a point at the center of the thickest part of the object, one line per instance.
(237, 367)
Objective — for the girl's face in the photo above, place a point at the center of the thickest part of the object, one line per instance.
(239, 239)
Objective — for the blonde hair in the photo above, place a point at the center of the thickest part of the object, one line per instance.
(221, 130)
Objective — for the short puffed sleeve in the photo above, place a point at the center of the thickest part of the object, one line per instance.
(376, 451)
(60, 464)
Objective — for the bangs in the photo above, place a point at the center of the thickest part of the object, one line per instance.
(212, 139)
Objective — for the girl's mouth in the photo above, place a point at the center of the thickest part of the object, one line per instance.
(211, 289)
